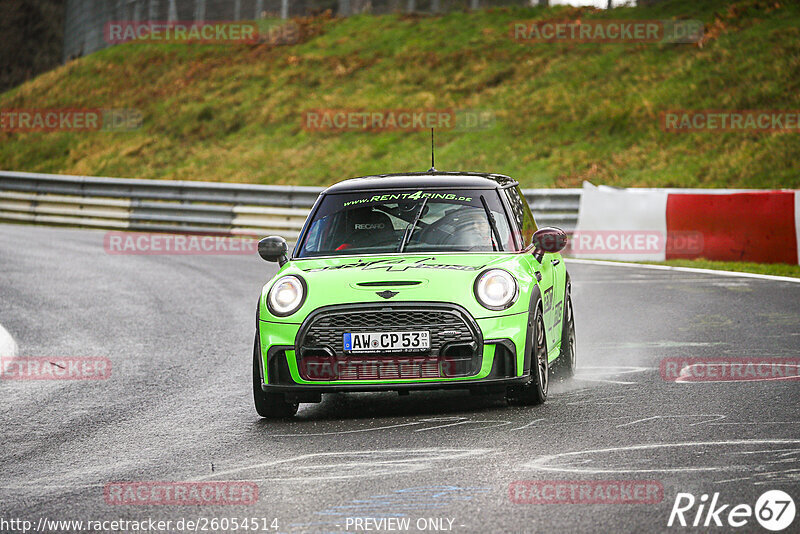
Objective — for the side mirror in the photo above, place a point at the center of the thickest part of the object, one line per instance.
(550, 239)
(273, 248)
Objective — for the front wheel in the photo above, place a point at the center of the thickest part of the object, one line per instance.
(268, 405)
(535, 391)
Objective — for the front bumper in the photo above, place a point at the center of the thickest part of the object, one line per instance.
(498, 362)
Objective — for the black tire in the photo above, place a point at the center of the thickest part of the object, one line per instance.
(565, 365)
(268, 405)
(535, 391)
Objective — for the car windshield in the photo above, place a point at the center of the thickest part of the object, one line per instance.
(408, 221)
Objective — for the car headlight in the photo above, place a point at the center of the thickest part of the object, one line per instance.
(286, 296)
(496, 289)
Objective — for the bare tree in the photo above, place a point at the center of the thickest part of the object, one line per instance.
(200, 10)
(152, 10)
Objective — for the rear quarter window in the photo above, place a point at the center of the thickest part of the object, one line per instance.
(521, 213)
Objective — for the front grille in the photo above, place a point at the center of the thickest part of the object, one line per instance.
(454, 341)
(445, 326)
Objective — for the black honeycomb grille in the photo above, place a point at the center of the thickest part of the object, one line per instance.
(445, 326)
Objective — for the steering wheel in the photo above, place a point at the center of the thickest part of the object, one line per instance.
(429, 233)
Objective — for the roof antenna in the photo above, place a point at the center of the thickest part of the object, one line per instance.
(433, 167)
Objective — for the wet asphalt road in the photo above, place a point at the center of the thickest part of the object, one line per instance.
(177, 407)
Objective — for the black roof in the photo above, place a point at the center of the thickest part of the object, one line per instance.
(427, 180)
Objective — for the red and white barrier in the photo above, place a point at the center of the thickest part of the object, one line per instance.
(658, 224)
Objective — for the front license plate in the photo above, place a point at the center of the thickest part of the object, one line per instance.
(387, 341)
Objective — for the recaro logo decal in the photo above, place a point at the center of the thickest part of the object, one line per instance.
(377, 226)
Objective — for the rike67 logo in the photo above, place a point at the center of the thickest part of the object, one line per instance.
(774, 510)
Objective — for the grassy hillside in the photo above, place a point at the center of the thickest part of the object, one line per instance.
(565, 113)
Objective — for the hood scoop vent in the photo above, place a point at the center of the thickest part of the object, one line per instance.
(390, 283)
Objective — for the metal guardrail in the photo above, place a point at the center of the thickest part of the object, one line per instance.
(554, 207)
(205, 207)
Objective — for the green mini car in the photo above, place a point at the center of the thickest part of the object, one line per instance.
(414, 281)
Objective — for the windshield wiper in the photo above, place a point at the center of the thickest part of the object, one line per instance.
(410, 228)
(493, 224)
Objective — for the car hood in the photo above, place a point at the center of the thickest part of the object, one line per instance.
(395, 278)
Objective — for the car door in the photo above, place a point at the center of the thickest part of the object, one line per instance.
(555, 263)
(548, 287)
(548, 268)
